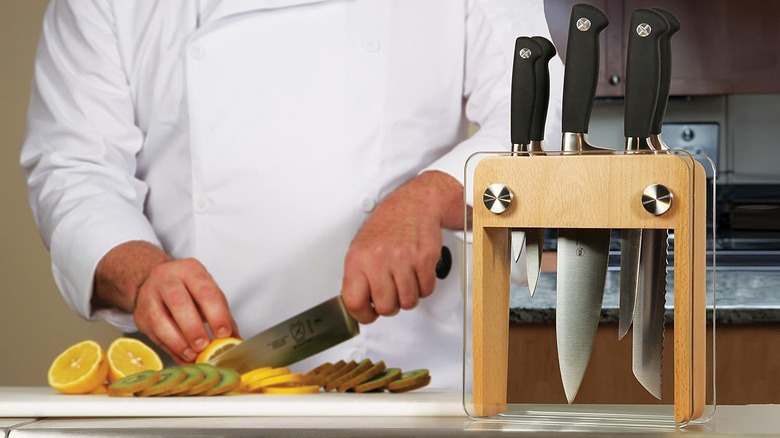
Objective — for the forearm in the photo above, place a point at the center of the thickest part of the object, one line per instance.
(120, 273)
(438, 193)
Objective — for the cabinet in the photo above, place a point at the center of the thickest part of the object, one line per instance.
(723, 46)
(746, 359)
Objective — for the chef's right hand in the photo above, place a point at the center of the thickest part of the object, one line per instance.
(170, 299)
(173, 303)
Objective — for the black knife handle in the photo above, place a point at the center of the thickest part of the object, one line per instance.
(527, 52)
(582, 66)
(444, 264)
(666, 70)
(643, 70)
(542, 99)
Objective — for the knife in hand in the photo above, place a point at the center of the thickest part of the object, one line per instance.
(643, 264)
(582, 253)
(303, 335)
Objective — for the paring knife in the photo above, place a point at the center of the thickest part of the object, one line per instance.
(306, 334)
(643, 76)
(523, 98)
(582, 253)
(534, 237)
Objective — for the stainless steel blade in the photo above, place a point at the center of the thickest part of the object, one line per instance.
(648, 333)
(534, 244)
(631, 241)
(294, 339)
(582, 267)
(518, 242)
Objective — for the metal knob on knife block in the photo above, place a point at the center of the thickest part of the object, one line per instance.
(497, 198)
(657, 199)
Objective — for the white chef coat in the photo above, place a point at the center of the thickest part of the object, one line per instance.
(256, 136)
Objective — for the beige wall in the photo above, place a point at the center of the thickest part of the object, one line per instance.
(35, 322)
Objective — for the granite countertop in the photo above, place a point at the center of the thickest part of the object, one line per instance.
(739, 297)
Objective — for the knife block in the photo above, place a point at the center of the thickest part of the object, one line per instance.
(588, 190)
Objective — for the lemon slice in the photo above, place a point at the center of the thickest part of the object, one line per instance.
(215, 348)
(128, 356)
(277, 380)
(251, 385)
(80, 369)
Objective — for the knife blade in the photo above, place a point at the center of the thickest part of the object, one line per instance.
(310, 332)
(582, 253)
(523, 98)
(294, 339)
(534, 237)
(643, 75)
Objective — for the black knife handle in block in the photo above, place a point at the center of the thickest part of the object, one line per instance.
(527, 52)
(643, 70)
(666, 70)
(582, 66)
(542, 99)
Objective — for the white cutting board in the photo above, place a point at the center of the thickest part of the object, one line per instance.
(36, 402)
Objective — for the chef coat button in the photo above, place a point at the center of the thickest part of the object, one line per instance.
(197, 51)
(356, 356)
(367, 204)
(202, 205)
(370, 44)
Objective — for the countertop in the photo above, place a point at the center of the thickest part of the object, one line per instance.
(740, 297)
(43, 412)
(751, 420)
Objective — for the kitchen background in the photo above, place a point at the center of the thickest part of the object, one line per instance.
(36, 324)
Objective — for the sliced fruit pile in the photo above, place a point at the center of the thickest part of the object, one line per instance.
(342, 376)
(196, 379)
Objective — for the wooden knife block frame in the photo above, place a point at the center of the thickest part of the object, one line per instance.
(588, 190)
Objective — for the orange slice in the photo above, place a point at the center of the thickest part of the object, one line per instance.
(128, 356)
(215, 348)
(80, 369)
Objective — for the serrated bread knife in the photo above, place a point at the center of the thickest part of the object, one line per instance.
(643, 77)
(582, 253)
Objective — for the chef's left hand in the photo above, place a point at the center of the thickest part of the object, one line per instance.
(391, 261)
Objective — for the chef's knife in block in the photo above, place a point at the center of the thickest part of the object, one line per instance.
(580, 191)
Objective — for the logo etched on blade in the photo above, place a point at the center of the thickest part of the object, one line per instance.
(298, 331)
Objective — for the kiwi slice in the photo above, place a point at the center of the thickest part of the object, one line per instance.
(362, 377)
(169, 377)
(361, 367)
(323, 377)
(410, 380)
(229, 381)
(194, 375)
(380, 380)
(211, 377)
(133, 383)
(325, 381)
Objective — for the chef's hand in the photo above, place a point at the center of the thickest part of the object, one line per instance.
(391, 262)
(170, 299)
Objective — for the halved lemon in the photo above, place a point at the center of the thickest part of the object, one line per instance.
(79, 369)
(215, 348)
(127, 356)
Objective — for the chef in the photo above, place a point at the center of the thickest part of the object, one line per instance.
(207, 168)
